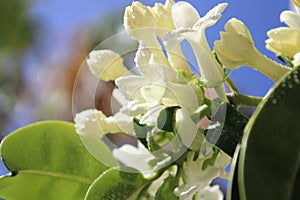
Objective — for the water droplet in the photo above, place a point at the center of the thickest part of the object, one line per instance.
(274, 101)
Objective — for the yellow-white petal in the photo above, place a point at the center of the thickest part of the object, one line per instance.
(137, 157)
(106, 65)
(93, 123)
(238, 27)
(284, 41)
(164, 21)
(291, 19)
(138, 18)
(296, 60)
(185, 127)
(209, 193)
(184, 15)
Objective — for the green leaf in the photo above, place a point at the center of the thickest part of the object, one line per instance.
(48, 161)
(232, 188)
(210, 161)
(166, 189)
(228, 131)
(270, 152)
(166, 119)
(117, 183)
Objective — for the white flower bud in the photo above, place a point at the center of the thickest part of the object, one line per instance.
(106, 65)
(93, 123)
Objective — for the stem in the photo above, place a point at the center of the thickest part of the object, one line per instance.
(267, 66)
(238, 100)
(231, 85)
(221, 93)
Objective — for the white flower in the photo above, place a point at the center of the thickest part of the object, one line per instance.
(198, 180)
(236, 48)
(106, 65)
(137, 19)
(140, 23)
(163, 17)
(192, 28)
(296, 59)
(93, 123)
(286, 40)
(158, 85)
(209, 193)
(291, 19)
(185, 127)
(136, 157)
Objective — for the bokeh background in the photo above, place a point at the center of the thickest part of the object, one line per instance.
(43, 43)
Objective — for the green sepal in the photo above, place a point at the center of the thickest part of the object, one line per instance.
(210, 161)
(167, 118)
(166, 189)
(141, 131)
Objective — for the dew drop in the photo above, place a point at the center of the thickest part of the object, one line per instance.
(274, 101)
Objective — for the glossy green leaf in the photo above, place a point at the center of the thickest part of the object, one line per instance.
(166, 189)
(48, 161)
(229, 132)
(270, 152)
(232, 188)
(117, 184)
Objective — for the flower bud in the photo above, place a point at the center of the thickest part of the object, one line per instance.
(138, 18)
(163, 16)
(284, 40)
(236, 48)
(93, 123)
(106, 65)
(235, 44)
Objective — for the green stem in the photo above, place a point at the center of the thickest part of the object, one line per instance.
(231, 85)
(238, 100)
(221, 93)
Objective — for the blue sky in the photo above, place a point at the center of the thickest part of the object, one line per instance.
(61, 17)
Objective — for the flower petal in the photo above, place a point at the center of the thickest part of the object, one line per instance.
(185, 127)
(137, 157)
(284, 41)
(184, 15)
(106, 64)
(291, 19)
(93, 123)
(130, 86)
(296, 61)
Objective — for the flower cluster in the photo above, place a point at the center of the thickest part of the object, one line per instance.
(166, 103)
(286, 40)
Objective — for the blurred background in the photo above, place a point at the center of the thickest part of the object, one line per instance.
(43, 44)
